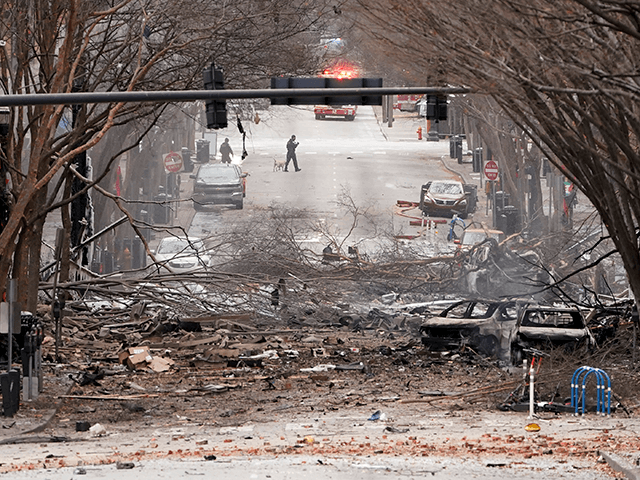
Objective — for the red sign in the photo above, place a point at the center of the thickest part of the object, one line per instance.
(172, 162)
(491, 170)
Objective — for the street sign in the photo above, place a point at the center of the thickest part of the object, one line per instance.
(172, 162)
(491, 170)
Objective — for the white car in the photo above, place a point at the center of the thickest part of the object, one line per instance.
(182, 254)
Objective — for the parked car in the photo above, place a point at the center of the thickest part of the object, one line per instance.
(219, 184)
(474, 236)
(448, 197)
(542, 327)
(485, 326)
(182, 254)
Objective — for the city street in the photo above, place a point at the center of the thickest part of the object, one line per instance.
(364, 161)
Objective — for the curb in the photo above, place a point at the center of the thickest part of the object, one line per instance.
(621, 465)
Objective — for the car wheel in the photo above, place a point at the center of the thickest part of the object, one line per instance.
(197, 207)
(516, 356)
(489, 345)
(239, 205)
(318, 116)
(351, 117)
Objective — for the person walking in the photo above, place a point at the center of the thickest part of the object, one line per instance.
(291, 154)
(225, 151)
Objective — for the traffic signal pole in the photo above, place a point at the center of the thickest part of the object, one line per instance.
(315, 95)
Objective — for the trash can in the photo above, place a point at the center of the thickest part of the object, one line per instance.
(10, 387)
(477, 160)
(471, 192)
(162, 209)
(186, 160)
(455, 146)
(202, 151)
(502, 199)
(511, 216)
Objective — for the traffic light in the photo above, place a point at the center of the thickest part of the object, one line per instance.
(216, 109)
(436, 107)
(327, 83)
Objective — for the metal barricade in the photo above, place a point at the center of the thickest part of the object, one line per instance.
(578, 390)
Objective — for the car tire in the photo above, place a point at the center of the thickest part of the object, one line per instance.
(516, 356)
(197, 207)
(239, 205)
(318, 116)
(351, 117)
(489, 345)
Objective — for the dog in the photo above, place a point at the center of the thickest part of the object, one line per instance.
(278, 165)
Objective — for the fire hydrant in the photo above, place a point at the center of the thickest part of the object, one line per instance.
(419, 131)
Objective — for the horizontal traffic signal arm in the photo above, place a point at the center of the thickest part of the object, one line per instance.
(315, 94)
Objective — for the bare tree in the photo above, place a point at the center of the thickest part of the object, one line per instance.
(564, 71)
(63, 46)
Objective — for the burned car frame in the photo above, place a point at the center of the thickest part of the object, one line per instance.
(485, 326)
(540, 328)
(508, 330)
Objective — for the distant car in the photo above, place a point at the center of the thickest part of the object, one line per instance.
(485, 326)
(182, 254)
(348, 112)
(219, 184)
(474, 236)
(446, 198)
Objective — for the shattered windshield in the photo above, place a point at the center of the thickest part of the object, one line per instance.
(446, 188)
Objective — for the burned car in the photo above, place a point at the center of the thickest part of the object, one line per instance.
(508, 330)
(540, 328)
(485, 326)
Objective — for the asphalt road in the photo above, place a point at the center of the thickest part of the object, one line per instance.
(314, 468)
(362, 162)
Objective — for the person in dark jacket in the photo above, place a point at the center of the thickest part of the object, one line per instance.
(291, 154)
(225, 151)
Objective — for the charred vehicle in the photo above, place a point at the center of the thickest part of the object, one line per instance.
(540, 328)
(507, 330)
(485, 326)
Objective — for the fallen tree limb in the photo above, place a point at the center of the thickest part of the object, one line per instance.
(109, 397)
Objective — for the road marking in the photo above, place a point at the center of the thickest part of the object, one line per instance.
(379, 153)
(357, 151)
(310, 153)
(333, 153)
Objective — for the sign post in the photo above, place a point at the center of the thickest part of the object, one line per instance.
(491, 171)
